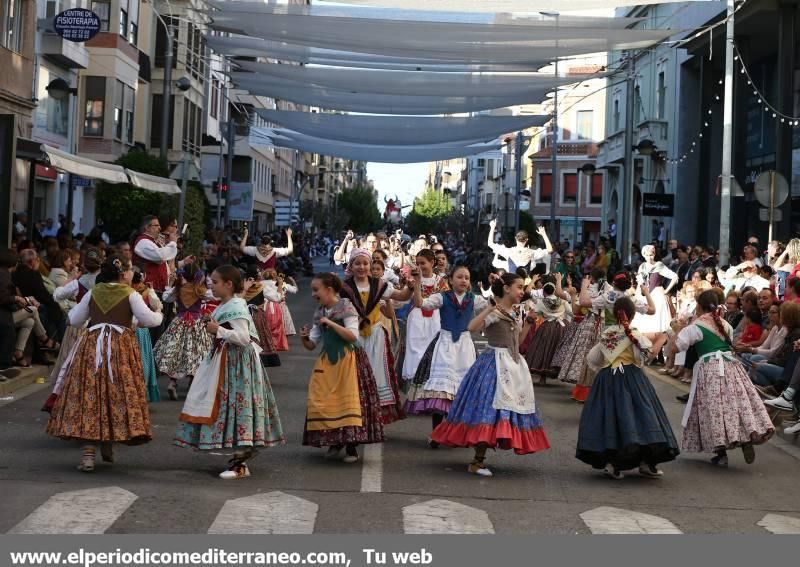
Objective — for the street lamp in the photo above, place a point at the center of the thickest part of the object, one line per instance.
(59, 89)
(587, 169)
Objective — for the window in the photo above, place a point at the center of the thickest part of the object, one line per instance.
(616, 115)
(596, 194)
(13, 14)
(584, 120)
(58, 115)
(545, 187)
(129, 104)
(661, 94)
(161, 42)
(95, 106)
(103, 11)
(481, 162)
(570, 187)
(155, 121)
(214, 98)
(637, 105)
(51, 9)
(119, 113)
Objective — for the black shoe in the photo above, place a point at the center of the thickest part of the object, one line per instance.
(684, 398)
(9, 373)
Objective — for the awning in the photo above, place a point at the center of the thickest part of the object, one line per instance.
(85, 167)
(506, 6)
(153, 182)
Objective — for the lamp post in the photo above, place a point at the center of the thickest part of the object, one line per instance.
(587, 169)
(165, 97)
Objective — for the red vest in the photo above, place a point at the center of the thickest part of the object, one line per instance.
(156, 273)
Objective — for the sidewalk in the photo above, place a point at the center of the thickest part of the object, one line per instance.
(26, 377)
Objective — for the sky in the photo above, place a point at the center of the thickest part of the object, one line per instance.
(407, 180)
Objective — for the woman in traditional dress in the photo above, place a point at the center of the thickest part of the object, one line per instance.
(495, 406)
(230, 403)
(422, 324)
(103, 398)
(450, 354)
(273, 310)
(366, 293)
(287, 284)
(143, 335)
(74, 290)
(724, 410)
(256, 295)
(185, 343)
(388, 316)
(344, 409)
(266, 256)
(544, 338)
(623, 425)
(655, 326)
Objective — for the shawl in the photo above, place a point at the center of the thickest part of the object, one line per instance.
(254, 290)
(377, 288)
(109, 295)
(614, 341)
(235, 308)
(333, 346)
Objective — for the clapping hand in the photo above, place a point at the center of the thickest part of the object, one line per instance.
(305, 332)
(211, 327)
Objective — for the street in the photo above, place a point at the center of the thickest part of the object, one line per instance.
(399, 487)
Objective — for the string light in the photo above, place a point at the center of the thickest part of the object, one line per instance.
(768, 107)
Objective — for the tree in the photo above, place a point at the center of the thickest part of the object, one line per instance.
(430, 212)
(359, 208)
(122, 206)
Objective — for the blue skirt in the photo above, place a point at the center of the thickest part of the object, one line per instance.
(472, 420)
(623, 422)
(148, 364)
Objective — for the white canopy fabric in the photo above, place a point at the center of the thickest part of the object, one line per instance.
(85, 167)
(399, 130)
(257, 47)
(510, 6)
(153, 182)
(422, 83)
(372, 103)
(371, 153)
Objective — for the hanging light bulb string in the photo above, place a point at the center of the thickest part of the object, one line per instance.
(767, 107)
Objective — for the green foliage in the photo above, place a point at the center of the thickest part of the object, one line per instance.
(122, 206)
(430, 213)
(359, 208)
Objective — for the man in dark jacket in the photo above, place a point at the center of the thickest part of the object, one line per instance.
(29, 282)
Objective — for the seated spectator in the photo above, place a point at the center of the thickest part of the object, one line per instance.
(771, 343)
(752, 327)
(61, 267)
(768, 373)
(749, 300)
(30, 284)
(733, 309)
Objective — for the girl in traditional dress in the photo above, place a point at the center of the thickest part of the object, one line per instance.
(366, 293)
(388, 315)
(450, 354)
(185, 343)
(655, 326)
(103, 398)
(230, 403)
(495, 405)
(344, 409)
(724, 410)
(143, 335)
(623, 425)
(422, 324)
(73, 290)
(545, 337)
(256, 296)
(273, 310)
(286, 284)
(266, 256)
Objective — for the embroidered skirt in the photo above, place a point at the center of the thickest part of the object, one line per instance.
(543, 345)
(269, 356)
(183, 345)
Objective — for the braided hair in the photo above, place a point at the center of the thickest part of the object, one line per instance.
(622, 281)
(709, 302)
(624, 311)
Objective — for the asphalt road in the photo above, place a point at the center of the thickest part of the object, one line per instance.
(402, 486)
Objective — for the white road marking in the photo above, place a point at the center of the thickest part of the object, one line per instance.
(90, 511)
(270, 513)
(608, 520)
(782, 525)
(372, 467)
(445, 517)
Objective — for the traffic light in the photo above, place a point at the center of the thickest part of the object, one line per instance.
(218, 187)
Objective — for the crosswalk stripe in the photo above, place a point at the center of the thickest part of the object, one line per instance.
(609, 520)
(445, 517)
(90, 511)
(779, 524)
(372, 468)
(270, 513)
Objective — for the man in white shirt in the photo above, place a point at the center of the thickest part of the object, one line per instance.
(520, 256)
(151, 253)
(49, 230)
(744, 275)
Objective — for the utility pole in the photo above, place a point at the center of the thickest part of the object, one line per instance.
(231, 147)
(727, 144)
(166, 114)
(554, 166)
(184, 188)
(627, 184)
(518, 180)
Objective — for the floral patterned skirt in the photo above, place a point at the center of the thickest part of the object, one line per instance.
(574, 369)
(269, 356)
(275, 320)
(182, 346)
(105, 401)
(248, 413)
(71, 336)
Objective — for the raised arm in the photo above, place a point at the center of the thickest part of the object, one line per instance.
(478, 322)
(289, 243)
(585, 300)
(651, 307)
(338, 256)
(547, 244)
(243, 243)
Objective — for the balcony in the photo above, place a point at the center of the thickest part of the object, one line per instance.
(655, 130)
(611, 150)
(65, 53)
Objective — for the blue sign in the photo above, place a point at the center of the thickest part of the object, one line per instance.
(77, 25)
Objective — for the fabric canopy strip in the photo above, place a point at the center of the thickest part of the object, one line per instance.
(372, 153)
(511, 6)
(257, 47)
(153, 182)
(399, 130)
(84, 167)
(408, 82)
